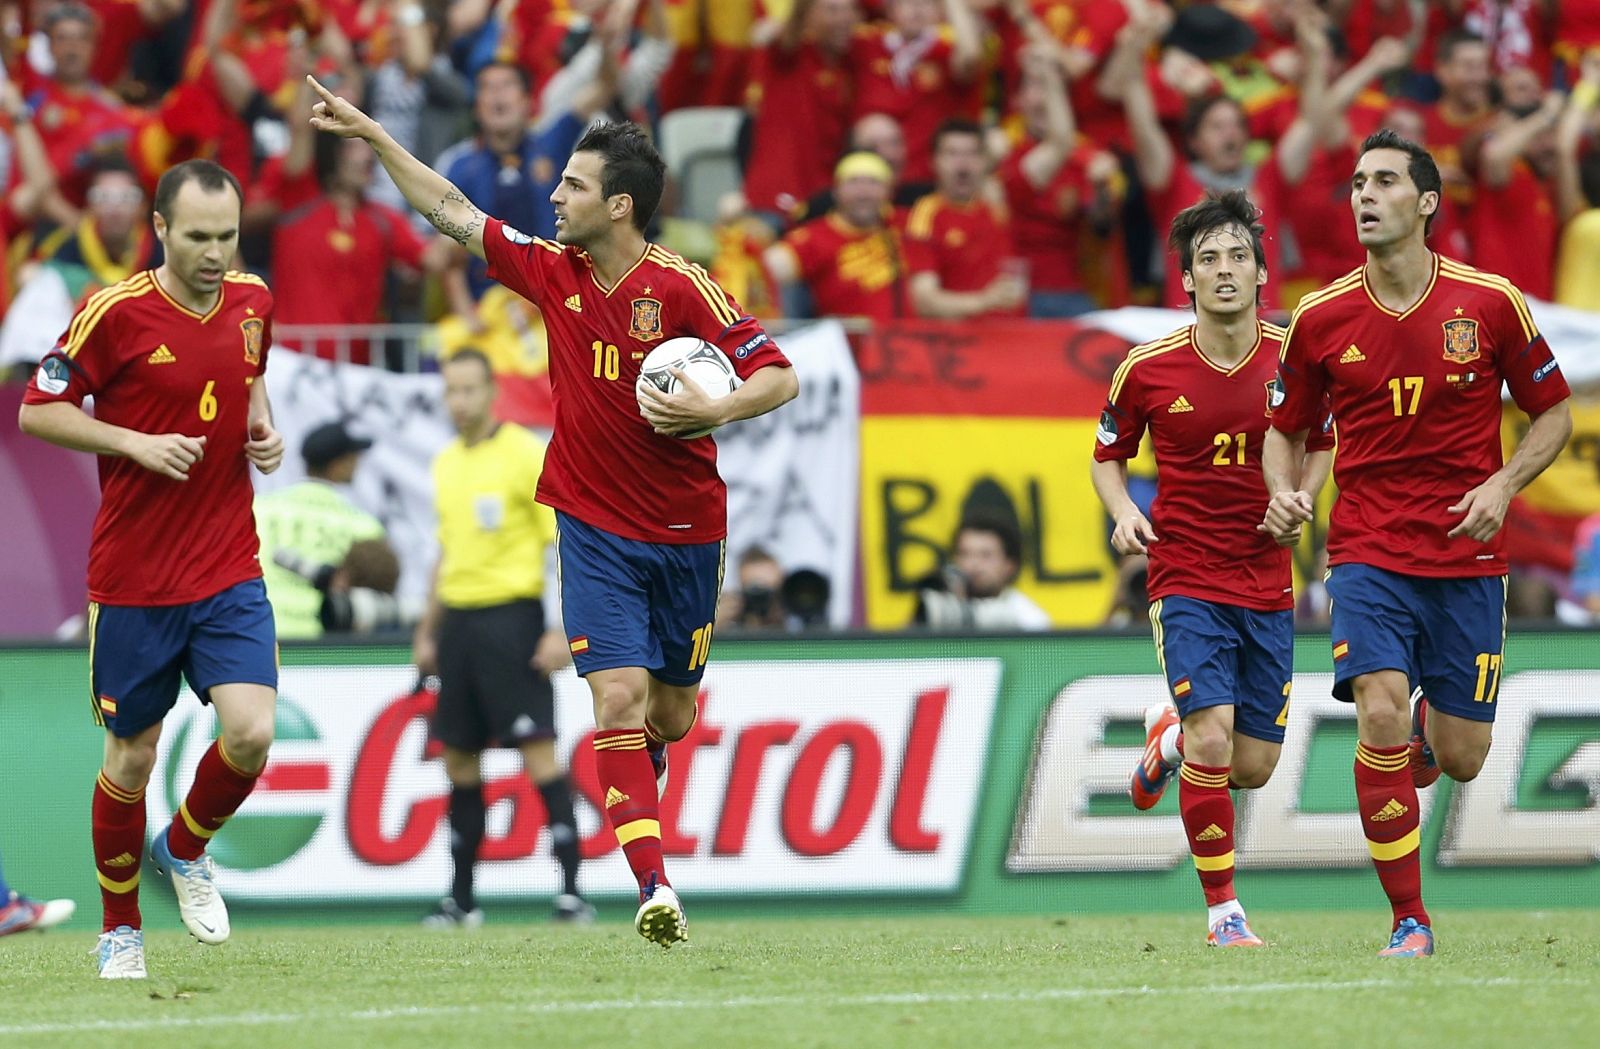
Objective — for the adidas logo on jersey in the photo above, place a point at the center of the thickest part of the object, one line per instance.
(1211, 833)
(1352, 355)
(1392, 811)
(162, 356)
(614, 797)
(1180, 405)
(124, 860)
(574, 304)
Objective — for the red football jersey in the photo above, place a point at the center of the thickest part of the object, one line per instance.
(852, 272)
(801, 102)
(965, 245)
(606, 465)
(1046, 224)
(1417, 399)
(915, 83)
(1513, 231)
(1206, 423)
(153, 366)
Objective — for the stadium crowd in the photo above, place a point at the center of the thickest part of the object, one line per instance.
(886, 158)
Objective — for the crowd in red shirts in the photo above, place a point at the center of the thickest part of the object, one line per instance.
(941, 158)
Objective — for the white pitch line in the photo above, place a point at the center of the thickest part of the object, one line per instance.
(1048, 994)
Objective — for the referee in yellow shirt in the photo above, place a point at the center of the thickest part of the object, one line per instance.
(484, 630)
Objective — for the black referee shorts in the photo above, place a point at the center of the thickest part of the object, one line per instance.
(489, 692)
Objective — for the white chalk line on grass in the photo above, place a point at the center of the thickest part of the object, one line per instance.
(1048, 994)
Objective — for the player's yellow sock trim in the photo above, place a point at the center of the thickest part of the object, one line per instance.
(631, 832)
(1392, 850)
(1214, 863)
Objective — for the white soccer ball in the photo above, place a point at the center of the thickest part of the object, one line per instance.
(708, 366)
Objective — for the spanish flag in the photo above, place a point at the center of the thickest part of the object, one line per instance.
(1181, 688)
(1340, 650)
(579, 644)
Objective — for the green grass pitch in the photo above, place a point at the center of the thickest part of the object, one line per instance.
(1526, 980)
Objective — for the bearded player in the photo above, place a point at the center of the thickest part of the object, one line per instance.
(175, 359)
(641, 515)
(1222, 590)
(1412, 349)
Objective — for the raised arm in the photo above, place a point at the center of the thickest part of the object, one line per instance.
(1044, 161)
(967, 54)
(430, 193)
(1300, 139)
(1581, 103)
(1501, 149)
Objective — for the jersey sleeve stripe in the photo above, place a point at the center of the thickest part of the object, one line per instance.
(1342, 286)
(702, 281)
(240, 277)
(96, 308)
(1144, 353)
(920, 223)
(1502, 285)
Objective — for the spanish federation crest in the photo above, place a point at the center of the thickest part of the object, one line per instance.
(646, 323)
(253, 328)
(1461, 340)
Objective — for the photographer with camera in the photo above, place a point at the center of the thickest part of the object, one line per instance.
(308, 528)
(974, 591)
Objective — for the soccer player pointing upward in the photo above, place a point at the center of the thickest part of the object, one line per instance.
(1221, 589)
(640, 516)
(1412, 349)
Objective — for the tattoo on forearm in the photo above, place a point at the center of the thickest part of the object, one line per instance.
(460, 232)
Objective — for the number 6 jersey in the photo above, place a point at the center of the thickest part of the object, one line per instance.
(1417, 399)
(156, 367)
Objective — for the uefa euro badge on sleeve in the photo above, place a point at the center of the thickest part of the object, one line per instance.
(253, 328)
(646, 324)
(1461, 340)
(1274, 393)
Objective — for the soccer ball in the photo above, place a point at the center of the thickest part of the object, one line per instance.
(708, 366)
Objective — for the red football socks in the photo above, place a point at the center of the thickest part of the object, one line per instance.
(1207, 809)
(117, 824)
(624, 770)
(219, 788)
(1387, 800)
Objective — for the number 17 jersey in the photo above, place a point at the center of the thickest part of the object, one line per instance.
(606, 465)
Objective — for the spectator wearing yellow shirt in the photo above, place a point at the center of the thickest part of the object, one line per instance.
(484, 631)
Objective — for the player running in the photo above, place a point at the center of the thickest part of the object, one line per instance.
(1222, 589)
(175, 360)
(1412, 349)
(641, 516)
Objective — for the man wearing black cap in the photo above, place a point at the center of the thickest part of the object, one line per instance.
(311, 524)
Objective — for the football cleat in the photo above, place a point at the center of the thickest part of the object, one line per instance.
(120, 954)
(660, 918)
(195, 883)
(1233, 931)
(21, 914)
(573, 910)
(1152, 774)
(449, 916)
(658, 761)
(1411, 939)
(1424, 769)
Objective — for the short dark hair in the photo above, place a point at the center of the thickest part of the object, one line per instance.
(1197, 110)
(521, 74)
(69, 12)
(1420, 165)
(630, 164)
(755, 555)
(1001, 526)
(957, 126)
(1449, 42)
(471, 353)
(1216, 211)
(212, 177)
